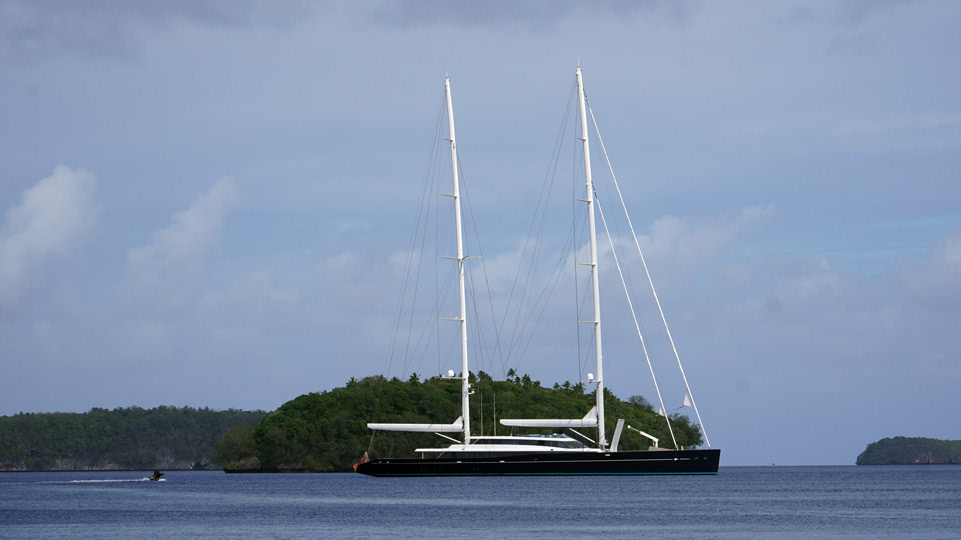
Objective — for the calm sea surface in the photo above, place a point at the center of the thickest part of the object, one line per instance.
(913, 502)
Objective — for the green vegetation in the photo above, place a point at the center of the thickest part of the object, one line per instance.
(909, 450)
(123, 438)
(328, 431)
(314, 432)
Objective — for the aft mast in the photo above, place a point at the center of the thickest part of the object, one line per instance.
(464, 373)
(594, 417)
(599, 381)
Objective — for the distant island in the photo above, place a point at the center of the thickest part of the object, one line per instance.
(128, 438)
(911, 450)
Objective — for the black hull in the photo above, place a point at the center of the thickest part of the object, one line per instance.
(553, 464)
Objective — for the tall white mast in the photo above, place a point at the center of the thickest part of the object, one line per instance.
(601, 440)
(465, 384)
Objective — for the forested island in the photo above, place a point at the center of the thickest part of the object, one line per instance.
(123, 438)
(911, 450)
(327, 431)
(317, 432)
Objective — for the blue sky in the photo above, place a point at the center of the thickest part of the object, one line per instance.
(206, 203)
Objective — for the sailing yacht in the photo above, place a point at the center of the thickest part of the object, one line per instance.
(555, 454)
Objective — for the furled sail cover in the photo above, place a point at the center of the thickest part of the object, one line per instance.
(458, 425)
(590, 420)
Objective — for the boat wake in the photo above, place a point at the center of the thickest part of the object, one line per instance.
(92, 481)
(110, 481)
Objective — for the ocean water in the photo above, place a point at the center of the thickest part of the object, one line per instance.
(894, 502)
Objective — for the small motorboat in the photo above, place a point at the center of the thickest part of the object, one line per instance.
(157, 475)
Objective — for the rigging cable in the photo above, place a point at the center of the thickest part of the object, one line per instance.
(573, 248)
(408, 354)
(528, 253)
(650, 280)
(496, 349)
(401, 299)
(634, 315)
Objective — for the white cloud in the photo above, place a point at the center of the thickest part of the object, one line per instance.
(165, 274)
(682, 241)
(952, 250)
(349, 279)
(792, 287)
(937, 284)
(52, 218)
(255, 301)
(811, 278)
(253, 315)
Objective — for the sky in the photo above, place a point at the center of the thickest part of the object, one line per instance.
(210, 203)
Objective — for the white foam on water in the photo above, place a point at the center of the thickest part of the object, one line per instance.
(110, 481)
(102, 481)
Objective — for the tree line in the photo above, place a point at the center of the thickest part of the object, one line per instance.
(122, 438)
(327, 431)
